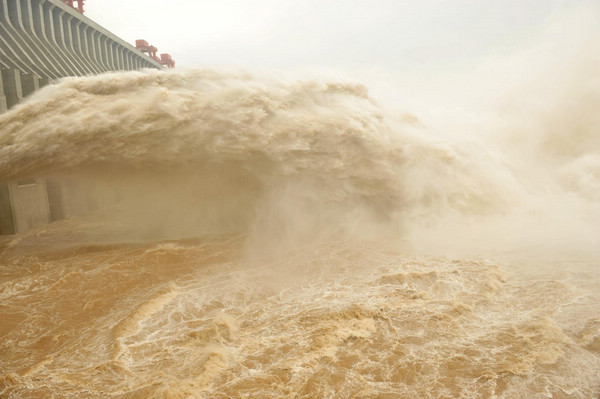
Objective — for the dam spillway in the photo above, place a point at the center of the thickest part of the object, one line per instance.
(42, 41)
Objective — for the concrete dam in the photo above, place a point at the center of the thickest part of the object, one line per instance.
(42, 41)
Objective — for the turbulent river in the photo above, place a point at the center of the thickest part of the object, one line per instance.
(253, 236)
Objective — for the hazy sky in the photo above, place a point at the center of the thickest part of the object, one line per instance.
(376, 41)
(321, 33)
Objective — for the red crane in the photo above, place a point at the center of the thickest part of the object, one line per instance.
(144, 47)
(79, 4)
(165, 59)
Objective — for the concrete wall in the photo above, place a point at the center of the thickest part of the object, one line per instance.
(30, 203)
(68, 198)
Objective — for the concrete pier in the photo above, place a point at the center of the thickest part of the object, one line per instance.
(3, 106)
(13, 89)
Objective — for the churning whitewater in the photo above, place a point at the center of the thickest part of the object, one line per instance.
(236, 235)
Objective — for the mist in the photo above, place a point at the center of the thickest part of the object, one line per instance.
(235, 232)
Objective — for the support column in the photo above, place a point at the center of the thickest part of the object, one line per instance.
(127, 60)
(43, 82)
(30, 83)
(123, 58)
(11, 80)
(3, 107)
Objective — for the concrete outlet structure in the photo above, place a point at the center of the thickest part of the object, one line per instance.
(42, 41)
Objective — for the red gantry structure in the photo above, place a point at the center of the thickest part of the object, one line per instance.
(144, 47)
(79, 4)
(165, 59)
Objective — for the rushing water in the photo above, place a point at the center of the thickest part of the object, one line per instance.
(256, 237)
